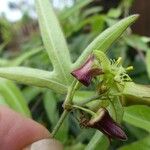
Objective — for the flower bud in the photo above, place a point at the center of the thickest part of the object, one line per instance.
(86, 72)
(107, 125)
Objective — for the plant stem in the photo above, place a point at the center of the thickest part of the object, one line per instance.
(59, 123)
(89, 100)
(67, 106)
(70, 94)
(92, 113)
(94, 98)
(113, 107)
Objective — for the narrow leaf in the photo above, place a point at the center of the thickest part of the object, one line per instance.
(30, 93)
(98, 141)
(53, 39)
(50, 105)
(62, 134)
(117, 110)
(33, 77)
(75, 8)
(133, 96)
(13, 97)
(148, 62)
(19, 60)
(138, 116)
(143, 144)
(3, 101)
(107, 38)
(136, 42)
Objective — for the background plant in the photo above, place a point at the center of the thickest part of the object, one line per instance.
(60, 79)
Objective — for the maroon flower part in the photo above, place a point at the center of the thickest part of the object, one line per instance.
(107, 125)
(86, 72)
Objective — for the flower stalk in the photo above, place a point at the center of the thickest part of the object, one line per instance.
(92, 113)
(67, 106)
(60, 122)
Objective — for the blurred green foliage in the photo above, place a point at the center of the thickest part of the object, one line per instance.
(81, 23)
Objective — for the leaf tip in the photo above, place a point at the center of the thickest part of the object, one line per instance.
(135, 16)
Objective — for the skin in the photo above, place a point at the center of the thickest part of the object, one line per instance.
(16, 131)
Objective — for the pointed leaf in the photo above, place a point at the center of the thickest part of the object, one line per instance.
(19, 60)
(133, 96)
(26, 55)
(136, 42)
(98, 141)
(62, 134)
(138, 116)
(117, 110)
(13, 97)
(107, 38)
(143, 144)
(30, 93)
(34, 77)
(50, 105)
(75, 8)
(53, 39)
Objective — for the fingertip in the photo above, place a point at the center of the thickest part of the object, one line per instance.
(17, 131)
(45, 144)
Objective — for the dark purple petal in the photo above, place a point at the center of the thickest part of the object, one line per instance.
(85, 73)
(107, 125)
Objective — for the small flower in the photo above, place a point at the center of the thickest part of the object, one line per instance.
(86, 72)
(107, 125)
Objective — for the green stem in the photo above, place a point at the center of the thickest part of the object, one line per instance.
(59, 123)
(113, 107)
(67, 106)
(94, 98)
(85, 101)
(71, 91)
(92, 113)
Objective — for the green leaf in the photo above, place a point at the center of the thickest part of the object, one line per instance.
(93, 10)
(136, 94)
(148, 62)
(50, 105)
(136, 132)
(127, 4)
(136, 42)
(3, 101)
(30, 93)
(143, 144)
(4, 62)
(98, 141)
(107, 38)
(62, 134)
(19, 60)
(138, 116)
(74, 9)
(103, 60)
(2, 46)
(33, 77)
(80, 98)
(117, 109)
(78, 146)
(114, 12)
(13, 97)
(54, 40)
(145, 39)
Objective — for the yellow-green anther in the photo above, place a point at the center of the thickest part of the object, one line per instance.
(119, 60)
(130, 68)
